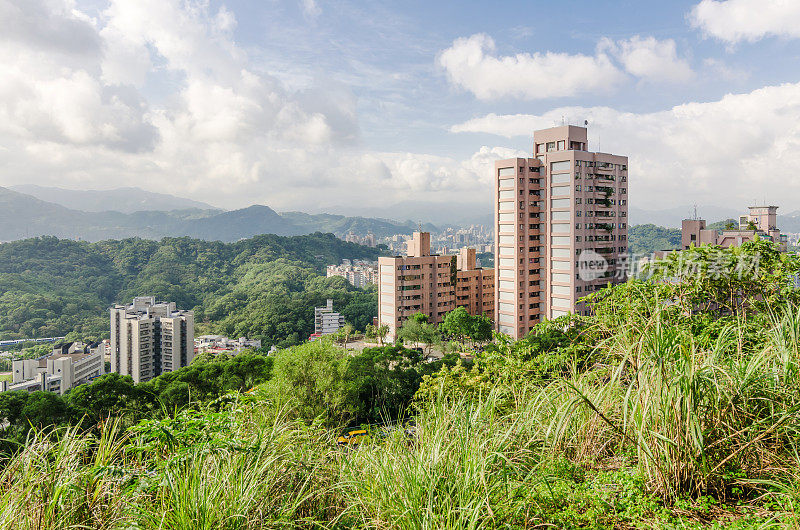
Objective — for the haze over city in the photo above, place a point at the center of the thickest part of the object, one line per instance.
(321, 105)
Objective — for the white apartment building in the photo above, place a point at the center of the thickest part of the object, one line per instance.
(359, 273)
(326, 320)
(221, 343)
(149, 338)
(57, 372)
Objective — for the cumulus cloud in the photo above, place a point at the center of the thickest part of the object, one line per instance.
(650, 59)
(156, 93)
(734, 21)
(471, 64)
(732, 149)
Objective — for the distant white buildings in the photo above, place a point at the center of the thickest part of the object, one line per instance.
(70, 364)
(149, 338)
(326, 320)
(222, 344)
(357, 272)
(368, 240)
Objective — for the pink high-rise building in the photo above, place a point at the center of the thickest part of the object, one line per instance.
(560, 228)
(422, 282)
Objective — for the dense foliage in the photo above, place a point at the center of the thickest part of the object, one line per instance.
(648, 238)
(675, 405)
(265, 287)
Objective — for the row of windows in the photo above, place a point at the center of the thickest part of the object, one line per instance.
(601, 165)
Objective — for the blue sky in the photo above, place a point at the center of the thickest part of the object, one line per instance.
(315, 104)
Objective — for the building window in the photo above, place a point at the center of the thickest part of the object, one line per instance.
(561, 145)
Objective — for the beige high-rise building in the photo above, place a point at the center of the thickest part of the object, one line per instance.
(560, 228)
(149, 338)
(421, 282)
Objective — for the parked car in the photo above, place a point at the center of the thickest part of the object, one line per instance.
(351, 438)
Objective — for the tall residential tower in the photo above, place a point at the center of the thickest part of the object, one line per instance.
(560, 228)
(149, 338)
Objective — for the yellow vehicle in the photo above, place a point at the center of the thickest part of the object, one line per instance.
(352, 437)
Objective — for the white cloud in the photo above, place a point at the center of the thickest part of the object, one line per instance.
(470, 63)
(310, 8)
(747, 20)
(650, 59)
(157, 94)
(732, 150)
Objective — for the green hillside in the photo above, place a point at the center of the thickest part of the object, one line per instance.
(648, 238)
(264, 287)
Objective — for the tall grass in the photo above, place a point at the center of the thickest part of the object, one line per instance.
(665, 416)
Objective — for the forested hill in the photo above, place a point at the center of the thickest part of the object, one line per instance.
(648, 238)
(263, 287)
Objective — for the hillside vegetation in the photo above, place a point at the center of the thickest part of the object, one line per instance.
(648, 238)
(677, 405)
(264, 287)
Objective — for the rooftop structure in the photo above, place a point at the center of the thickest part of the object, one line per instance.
(759, 222)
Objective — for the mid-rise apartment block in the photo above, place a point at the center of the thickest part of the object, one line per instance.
(759, 222)
(431, 284)
(149, 338)
(69, 365)
(560, 228)
(326, 320)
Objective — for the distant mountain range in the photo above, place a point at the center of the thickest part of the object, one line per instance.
(455, 214)
(23, 215)
(124, 200)
(672, 217)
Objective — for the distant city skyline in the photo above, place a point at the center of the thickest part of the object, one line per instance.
(315, 105)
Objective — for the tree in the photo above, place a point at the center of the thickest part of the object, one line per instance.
(43, 409)
(418, 330)
(458, 324)
(461, 325)
(381, 333)
(310, 379)
(480, 330)
(109, 395)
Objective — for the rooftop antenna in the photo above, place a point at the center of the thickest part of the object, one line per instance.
(562, 119)
(694, 217)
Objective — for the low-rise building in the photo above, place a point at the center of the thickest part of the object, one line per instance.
(70, 365)
(222, 344)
